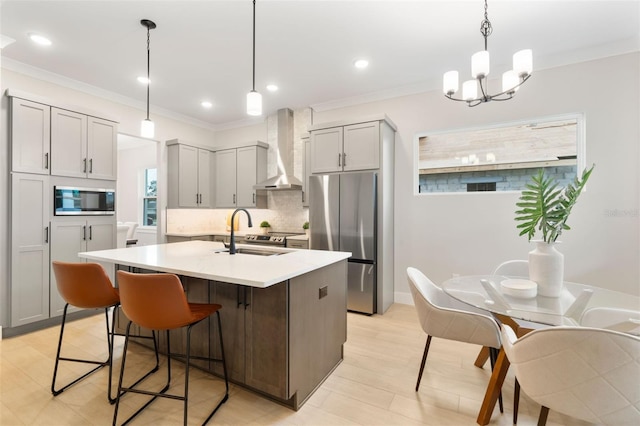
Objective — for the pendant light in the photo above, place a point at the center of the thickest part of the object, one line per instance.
(147, 128)
(511, 80)
(254, 99)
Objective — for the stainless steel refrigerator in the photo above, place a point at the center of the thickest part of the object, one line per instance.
(342, 217)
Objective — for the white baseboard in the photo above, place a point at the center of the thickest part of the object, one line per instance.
(403, 298)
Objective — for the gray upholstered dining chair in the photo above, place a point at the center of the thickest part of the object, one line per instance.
(587, 373)
(442, 316)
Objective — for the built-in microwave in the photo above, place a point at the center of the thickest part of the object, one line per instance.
(74, 201)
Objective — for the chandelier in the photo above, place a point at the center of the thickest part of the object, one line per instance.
(511, 80)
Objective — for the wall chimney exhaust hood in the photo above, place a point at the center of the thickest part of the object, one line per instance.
(284, 179)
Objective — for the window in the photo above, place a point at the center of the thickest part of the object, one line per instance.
(150, 198)
(500, 157)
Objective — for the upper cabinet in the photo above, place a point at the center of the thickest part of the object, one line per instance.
(190, 176)
(56, 141)
(30, 135)
(237, 171)
(82, 146)
(346, 147)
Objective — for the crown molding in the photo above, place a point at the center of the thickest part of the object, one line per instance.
(60, 80)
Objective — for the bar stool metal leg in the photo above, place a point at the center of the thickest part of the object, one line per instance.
(99, 364)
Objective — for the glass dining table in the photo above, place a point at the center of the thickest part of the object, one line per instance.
(488, 292)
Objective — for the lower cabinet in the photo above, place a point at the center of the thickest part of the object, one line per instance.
(72, 236)
(29, 229)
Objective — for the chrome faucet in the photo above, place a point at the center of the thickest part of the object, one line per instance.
(232, 243)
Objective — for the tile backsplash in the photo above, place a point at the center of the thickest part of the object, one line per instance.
(285, 214)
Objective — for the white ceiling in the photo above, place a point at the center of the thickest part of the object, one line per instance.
(202, 49)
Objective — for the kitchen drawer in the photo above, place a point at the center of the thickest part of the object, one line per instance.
(298, 244)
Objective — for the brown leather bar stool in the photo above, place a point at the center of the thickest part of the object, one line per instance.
(158, 302)
(87, 286)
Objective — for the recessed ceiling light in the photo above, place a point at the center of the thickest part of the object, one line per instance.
(361, 63)
(41, 40)
(143, 80)
(206, 104)
(272, 88)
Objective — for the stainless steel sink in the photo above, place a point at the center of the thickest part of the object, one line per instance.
(257, 252)
(252, 251)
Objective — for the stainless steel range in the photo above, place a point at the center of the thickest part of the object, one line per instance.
(277, 239)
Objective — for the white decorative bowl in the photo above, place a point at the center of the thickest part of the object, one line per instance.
(524, 289)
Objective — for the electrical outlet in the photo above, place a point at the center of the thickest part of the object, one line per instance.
(323, 291)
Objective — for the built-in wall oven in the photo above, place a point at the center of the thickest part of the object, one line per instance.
(76, 201)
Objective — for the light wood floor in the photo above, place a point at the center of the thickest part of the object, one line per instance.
(374, 385)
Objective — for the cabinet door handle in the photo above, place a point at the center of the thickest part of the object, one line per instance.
(197, 199)
(238, 296)
(84, 166)
(234, 198)
(339, 160)
(46, 234)
(246, 304)
(254, 198)
(91, 232)
(344, 159)
(46, 160)
(84, 233)
(91, 165)
(303, 196)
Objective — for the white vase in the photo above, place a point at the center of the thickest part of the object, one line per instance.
(546, 267)
(264, 230)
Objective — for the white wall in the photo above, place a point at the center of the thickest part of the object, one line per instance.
(470, 233)
(131, 166)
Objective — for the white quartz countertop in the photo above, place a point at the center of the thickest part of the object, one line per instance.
(204, 259)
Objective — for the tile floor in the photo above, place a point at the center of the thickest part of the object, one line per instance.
(374, 385)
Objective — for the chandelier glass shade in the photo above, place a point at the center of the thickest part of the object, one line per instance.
(480, 68)
(147, 127)
(254, 99)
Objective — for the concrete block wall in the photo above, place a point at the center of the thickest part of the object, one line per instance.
(506, 180)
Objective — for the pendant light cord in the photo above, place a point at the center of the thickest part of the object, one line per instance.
(254, 45)
(148, 67)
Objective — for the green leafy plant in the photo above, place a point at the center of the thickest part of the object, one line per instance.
(305, 225)
(546, 207)
(264, 224)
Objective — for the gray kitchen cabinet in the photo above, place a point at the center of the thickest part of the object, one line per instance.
(102, 149)
(251, 169)
(30, 135)
(70, 236)
(237, 171)
(30, 207)
(346, 148)
(226, 178)
(82, 146)
(266, 340)
(190, 176)
(326, 150)
(254, 331)
(306, 170)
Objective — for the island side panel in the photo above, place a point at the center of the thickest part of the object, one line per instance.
(232, 297)
(318, 327)
(266, 340)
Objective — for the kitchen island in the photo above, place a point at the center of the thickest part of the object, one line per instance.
(284, 315)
